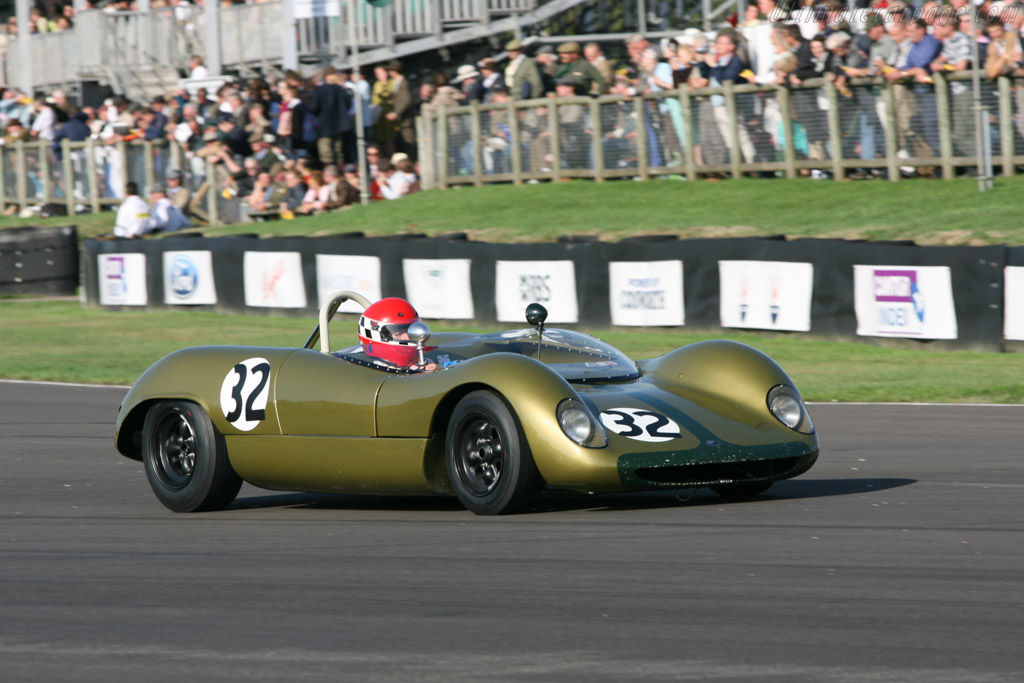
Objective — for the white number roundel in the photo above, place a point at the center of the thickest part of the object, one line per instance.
(243, 395)
(640, 424)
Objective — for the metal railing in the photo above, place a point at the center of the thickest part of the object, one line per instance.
(815, 129)
(251, 35)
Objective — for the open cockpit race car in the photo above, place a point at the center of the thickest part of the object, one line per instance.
(490, 418)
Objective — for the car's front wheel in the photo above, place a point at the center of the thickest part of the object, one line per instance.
(489, 462)
(186, 460)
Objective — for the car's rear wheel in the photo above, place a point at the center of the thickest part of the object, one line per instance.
(742, 490)
(489, 463)
(186, 460)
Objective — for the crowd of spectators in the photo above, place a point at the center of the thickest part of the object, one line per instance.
(280, 148)
(286, 144)
(45, 16)
(771, 44)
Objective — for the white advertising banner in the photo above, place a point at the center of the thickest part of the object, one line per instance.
(359, 274)
(766, 295)
(439, 288)
(188, 278)
(904, 301)
(521, 283)
(123, 279)
(273, 279)
(1013, 303)
(646, 293)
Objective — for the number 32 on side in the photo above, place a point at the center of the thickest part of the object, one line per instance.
(243, 395)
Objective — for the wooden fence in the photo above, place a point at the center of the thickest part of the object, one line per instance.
(873, 127)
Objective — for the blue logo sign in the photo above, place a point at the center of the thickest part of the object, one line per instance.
(184, 277)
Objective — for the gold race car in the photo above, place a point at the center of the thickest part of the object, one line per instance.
(489, 418)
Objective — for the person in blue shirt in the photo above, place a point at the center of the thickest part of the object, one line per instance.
(922, 53)
(157, 128)
(728, 65)
(75, 130)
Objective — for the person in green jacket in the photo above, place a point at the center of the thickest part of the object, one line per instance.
(572, 64)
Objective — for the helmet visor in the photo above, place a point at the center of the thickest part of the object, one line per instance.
(393, 334)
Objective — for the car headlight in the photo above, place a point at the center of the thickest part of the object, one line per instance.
(787, 406)
(579, 425)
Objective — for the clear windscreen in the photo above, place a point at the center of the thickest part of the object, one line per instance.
(575, 356)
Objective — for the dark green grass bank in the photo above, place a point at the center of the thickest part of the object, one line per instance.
(927, 211)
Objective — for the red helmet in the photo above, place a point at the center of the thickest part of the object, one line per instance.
(383, 330)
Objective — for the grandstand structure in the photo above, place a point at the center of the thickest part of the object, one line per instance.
(139, 54)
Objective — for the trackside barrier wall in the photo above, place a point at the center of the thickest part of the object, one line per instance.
(39, 260)
(975, 275)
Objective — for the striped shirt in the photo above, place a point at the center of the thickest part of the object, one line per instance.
(955, 49)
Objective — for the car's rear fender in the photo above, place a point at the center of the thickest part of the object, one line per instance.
(195, 375)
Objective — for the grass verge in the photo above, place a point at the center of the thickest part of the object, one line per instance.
(927, 211)
(61, 341)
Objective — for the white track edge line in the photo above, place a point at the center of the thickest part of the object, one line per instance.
(64, 384)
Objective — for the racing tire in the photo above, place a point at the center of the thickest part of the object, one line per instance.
(489, 462)
(742, 490)
(186, 459)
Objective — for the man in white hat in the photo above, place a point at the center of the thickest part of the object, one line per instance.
(469, 79)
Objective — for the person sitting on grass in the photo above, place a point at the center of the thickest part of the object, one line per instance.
(295, 192)
(310, 200)
(166, 216)
(133, 216)
(261, 199)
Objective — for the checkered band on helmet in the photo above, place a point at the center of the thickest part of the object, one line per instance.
(382, 327)
(376, 332)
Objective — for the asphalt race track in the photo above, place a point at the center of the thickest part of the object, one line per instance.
(898, 557)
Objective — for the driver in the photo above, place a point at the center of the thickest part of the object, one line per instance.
(384, 333)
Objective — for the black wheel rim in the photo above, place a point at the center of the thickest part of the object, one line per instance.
(479, 454)
(174, 442)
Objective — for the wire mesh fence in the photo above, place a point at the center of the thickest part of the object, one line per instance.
(707, 112)
(1016, 108)
(617, 123)
(575, 133)
(535, 138)
(496, 141)
(460, 145)
(750, 131)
